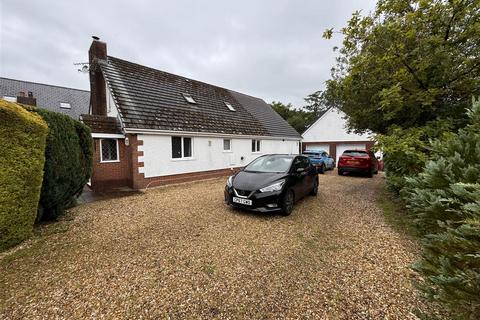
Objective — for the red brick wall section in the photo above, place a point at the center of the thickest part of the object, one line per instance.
(110, 175)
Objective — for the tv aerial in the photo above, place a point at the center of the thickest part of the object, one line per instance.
(84, 67)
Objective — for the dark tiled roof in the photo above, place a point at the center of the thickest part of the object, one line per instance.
(151, 99)
(264, 113)
(49, 96)
(102, 124)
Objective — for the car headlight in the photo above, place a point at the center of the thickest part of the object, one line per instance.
(229, 181)
(277, 186)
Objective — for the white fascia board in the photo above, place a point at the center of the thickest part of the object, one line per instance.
(205, 134)
(108, 135)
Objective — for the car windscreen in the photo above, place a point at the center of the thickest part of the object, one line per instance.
(311, 154)
(270, 164)
(355, 153)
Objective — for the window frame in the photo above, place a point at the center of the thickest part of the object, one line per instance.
(258, 146)
(230, 145)
(101, 151)
(189, 98)
(229, 106)
(9, 98)
(181, 148)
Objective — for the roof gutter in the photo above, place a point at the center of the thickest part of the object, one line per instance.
(205, 134)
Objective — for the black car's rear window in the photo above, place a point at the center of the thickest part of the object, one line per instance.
(355, 153)
(273, 163)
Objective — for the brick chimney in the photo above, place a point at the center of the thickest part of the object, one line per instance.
(24, 99)
(98, 96)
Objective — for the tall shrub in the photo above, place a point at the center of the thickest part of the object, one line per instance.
(407, 150)
(22, 157)
(68, 162)
(445, 200)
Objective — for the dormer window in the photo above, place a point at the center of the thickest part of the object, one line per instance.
(229, 106)
(189, 98)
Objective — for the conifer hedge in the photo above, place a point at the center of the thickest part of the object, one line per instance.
(68, 162)
(22, 156)
(445, 201)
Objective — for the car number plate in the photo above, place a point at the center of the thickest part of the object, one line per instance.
(242, 201)
(352, 162)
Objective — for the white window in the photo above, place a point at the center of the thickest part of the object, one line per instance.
(189, 98)
(229, 106)
(11, 99)
(109, 150)
(181, 147)
(227, 145)
(255, 145)
(65, 105)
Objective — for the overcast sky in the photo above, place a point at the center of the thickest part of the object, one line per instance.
(272, 49)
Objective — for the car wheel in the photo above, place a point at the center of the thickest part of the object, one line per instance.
(314, 191)
(287, 202)
(340, 172)
(322, 169)
(370, 173)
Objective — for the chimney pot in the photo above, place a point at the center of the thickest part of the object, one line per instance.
(95, 38)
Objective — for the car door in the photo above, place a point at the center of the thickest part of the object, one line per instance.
(326, 160)
(299, 174)
(310, 176)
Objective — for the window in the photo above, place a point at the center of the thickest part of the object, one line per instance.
(229, 106)
(11, 99)
(300, 162)
(227, 145)
(255, 145)
(181, 147)
(189, 98)
(65, 105)
(109, 150)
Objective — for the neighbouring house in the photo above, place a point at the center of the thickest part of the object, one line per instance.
(69, 101)
(153, 128)
(330, 134)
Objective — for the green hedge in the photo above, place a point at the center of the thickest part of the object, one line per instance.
(68, 162)
(22, 156)
(445, 202)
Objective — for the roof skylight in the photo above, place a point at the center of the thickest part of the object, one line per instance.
(65, 105)
(229, 106)
(189, 98)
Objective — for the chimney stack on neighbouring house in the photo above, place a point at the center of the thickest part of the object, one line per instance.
(98, 96)
(24, 99)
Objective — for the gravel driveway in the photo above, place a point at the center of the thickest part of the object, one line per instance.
(178, 252)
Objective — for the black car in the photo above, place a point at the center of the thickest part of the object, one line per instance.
(272, 183)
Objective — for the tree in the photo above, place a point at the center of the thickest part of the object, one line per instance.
(407, 63)
(299, 119)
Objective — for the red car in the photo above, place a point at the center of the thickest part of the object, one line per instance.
(360, 161)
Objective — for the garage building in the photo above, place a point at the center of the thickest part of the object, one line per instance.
(330, 133)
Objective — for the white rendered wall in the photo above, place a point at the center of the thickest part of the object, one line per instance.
(111, 107)
(208, 154)
(331, 127)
